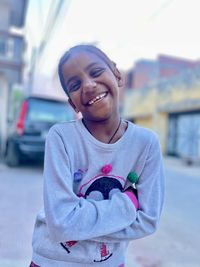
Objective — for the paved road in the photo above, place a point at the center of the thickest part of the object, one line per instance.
(175, 244)
(21, 198)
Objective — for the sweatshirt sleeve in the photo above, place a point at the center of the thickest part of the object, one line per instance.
(69, 217)
(150, 191)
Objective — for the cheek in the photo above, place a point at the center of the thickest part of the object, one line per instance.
(75, 99)
(114, 86)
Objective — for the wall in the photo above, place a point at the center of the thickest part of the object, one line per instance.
(146, 72)
(4, 16)
(150, 106)
(12, 13)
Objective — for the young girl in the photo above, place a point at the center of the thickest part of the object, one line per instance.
(90, 211)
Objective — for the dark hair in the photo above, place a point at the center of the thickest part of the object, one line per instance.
(81, 48)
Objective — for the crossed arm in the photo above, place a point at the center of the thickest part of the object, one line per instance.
(111, 220)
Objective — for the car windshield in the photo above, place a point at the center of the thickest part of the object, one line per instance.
(49, 111)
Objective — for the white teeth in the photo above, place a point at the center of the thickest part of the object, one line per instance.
(97, 98)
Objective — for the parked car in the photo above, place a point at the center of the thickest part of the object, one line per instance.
(26, 136)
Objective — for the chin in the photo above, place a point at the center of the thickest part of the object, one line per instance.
(103, 115)
(99, 117)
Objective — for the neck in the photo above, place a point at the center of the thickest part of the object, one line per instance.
(115, 132)
(105, 131)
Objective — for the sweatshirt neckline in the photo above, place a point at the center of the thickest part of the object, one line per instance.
(98, 143)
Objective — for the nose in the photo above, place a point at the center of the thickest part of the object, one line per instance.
(89, 85)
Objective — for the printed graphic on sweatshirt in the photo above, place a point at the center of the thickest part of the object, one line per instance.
(100, 187)
(67, 245)
(104, 253)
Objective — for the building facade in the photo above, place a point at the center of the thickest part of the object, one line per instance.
(146, 72)
(12, 13)
(171, 107)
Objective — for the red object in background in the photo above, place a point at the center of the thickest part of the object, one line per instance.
(22, 117)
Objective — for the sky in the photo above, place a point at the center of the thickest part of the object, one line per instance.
(127, 30)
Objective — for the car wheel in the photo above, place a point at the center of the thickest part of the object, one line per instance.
(12, 158)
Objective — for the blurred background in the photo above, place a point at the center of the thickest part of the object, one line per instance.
(156, 45)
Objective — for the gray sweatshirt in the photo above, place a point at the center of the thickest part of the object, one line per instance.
(87, 219)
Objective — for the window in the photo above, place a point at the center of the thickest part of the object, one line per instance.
(49, 111)
(2, 47)
(10, 47)
(6, 47)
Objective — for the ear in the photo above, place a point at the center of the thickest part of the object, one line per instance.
(72, 105)
(118, 76)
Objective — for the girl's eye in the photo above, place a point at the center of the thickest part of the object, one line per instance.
(96, 72)
(74, 86)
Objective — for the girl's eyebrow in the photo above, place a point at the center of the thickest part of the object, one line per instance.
(92, 64)
(87, 68)
(71, 79)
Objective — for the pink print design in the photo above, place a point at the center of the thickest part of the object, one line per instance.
(104, 252)
(71, 243)
(106, 169)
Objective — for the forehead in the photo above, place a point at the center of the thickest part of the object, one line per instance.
(80, 61)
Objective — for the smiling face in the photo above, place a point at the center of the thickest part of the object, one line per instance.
(92, 86)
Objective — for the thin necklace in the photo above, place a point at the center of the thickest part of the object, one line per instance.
(111, 138)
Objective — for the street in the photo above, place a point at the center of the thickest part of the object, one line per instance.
(175, 244)
(21, 198)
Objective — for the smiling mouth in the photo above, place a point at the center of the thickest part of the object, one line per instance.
(97, 99)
